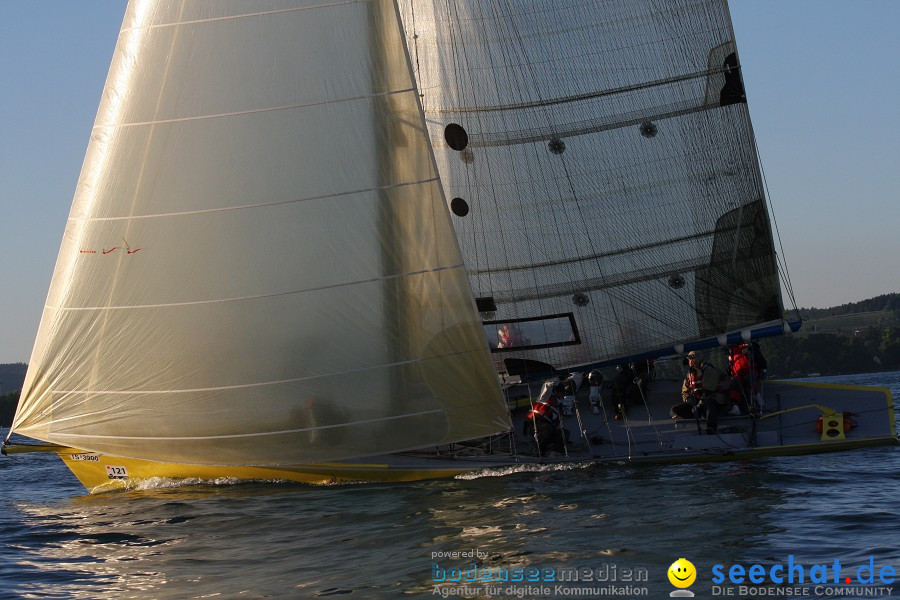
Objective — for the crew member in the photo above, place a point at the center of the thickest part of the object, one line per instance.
(699, 392)
(543, 422)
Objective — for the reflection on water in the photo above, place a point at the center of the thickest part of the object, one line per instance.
(381, 541)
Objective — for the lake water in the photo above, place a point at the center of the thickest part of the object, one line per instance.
(234, 540)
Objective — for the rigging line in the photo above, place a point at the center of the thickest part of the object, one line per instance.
(779, 259)
(509, 410)
(412, 10)
(782, 256)
(58, 434)
(260, 296)
(612, 439)
(257, 110)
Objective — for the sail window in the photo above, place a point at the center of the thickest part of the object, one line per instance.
(531, 333)
(733, 90)
(459, 207)
(676, 281)
(486, 304)
(556, 146)
(456, 137)
(580, 299)
(649, 129)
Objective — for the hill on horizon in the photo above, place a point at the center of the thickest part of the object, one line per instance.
(884, 302)
(12, 376)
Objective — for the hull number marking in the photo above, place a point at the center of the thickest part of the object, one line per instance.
(114, 472)
(87, 457)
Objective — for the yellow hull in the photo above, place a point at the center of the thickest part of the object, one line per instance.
(99, 473)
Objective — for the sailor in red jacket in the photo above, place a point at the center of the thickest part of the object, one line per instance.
(543, 421)
(747, 365)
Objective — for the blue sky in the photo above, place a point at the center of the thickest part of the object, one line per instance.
(822, 84)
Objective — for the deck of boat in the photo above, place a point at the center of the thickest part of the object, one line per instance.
(787, 424)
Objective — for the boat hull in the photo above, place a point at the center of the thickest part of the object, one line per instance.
(789, 426)
(128, 473)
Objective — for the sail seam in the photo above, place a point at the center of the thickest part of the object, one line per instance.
(587, 96)
(274, 295)
(266, 204)
(592, 126)
(254, 111)
(579, 259)
(245, 385)
(245, 435)
(243, 16)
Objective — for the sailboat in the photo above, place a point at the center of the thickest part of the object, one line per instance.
(351, 240)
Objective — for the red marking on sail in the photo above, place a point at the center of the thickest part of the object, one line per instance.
(113, 249)
(89, 252)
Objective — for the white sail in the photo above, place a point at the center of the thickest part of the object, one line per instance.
(259, 267)
(610, 202)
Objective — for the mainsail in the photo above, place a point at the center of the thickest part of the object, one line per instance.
(259, 266)
(602, 170)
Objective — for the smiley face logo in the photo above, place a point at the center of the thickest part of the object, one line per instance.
(682, 573)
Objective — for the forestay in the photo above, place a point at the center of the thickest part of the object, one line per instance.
(259, 266)
(602, 172)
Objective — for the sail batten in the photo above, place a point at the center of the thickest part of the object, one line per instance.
(507, 138)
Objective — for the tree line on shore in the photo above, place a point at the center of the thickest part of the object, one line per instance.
(865, 350)
(885, 302)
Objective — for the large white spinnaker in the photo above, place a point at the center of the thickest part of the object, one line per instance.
(259, 267)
